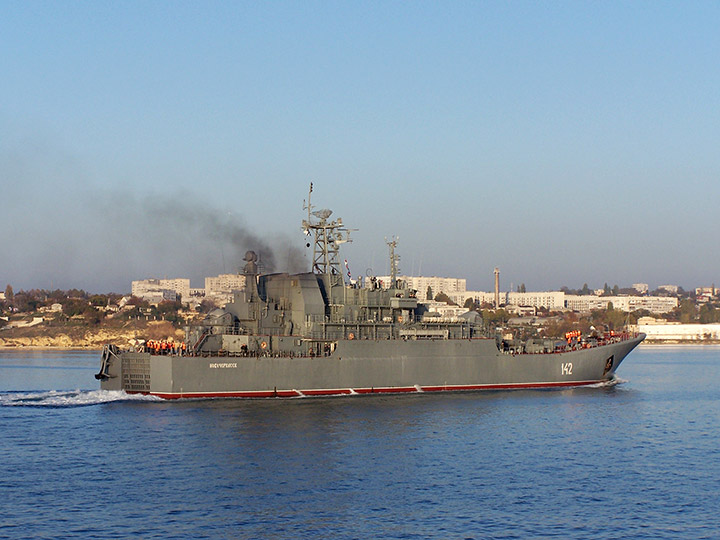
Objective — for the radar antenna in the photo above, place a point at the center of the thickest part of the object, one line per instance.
(328, 237)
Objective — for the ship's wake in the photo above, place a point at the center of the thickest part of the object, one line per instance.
(74, 398)
(609, 383)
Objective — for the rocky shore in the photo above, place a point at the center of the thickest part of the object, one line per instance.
(86, 337)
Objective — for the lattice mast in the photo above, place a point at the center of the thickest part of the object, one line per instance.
(394, 261)
(328, 235)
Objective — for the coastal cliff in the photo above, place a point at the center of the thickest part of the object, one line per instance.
(85, 336)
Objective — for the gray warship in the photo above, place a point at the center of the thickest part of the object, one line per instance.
(314, 334)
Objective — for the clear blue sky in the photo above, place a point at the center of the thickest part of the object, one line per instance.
(565, 142)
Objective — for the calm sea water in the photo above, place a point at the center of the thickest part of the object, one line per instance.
(640, 459)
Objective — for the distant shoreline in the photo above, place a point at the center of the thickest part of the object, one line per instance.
(98, 349)
(46, 348)
(680, 342)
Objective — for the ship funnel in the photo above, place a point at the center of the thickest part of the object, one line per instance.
(251, 259)
(251, 271)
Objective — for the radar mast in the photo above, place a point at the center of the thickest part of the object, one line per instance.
(328, 235)
(394, 260)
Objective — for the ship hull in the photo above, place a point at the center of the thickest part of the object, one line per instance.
(363, 367)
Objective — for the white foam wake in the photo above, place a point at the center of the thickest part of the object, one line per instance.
(75, 398)
(607, 384)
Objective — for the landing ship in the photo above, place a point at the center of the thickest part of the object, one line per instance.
(313, 334)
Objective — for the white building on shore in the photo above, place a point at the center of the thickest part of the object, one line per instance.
(444, 285)
(456, 290)
(559, 301)
(672, 289)
(642, 288)
(551, 300)
(220, 288)
(654, 304)
(661, 331)
(158, 290)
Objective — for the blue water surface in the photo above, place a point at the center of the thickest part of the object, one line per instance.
(640, 459)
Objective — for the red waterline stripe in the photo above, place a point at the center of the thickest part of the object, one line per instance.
(342, 391)
(386, 390)
(348, 391)
(509, 386)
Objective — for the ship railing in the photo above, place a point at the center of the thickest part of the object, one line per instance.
(231, 331)
(200, 341)
(258, 354)
(618, 337)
